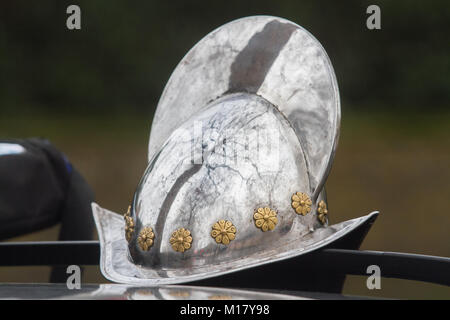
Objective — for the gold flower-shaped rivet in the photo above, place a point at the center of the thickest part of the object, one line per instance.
(129, 224)
(322, 212)
(145, 238)
(301, 203)
(129, 228)
(181, 240)
(265, 218)
(223, 231)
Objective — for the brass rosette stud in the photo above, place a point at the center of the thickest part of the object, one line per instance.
(322, 212)
(301, 203)
(223, 232)
(265, 219)
(145, 238)
(129, 225)
(181, 240)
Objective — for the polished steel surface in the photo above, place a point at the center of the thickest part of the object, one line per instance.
(249, 118)
(229, 181)
(268, 56)
(116, 265)
(127, 292)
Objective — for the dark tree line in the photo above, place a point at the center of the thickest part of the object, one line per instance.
(125, 51)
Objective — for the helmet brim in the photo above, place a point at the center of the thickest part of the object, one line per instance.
(116, 265)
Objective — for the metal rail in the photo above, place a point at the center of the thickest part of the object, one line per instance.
(338, 261)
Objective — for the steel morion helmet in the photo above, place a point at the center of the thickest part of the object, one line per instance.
(241, 145)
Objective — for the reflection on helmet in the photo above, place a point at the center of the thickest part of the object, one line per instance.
(241, 145)
(237, 165)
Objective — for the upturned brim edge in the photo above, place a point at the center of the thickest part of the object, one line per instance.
(116, 266)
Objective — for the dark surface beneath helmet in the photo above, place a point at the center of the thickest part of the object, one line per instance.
(60, 291)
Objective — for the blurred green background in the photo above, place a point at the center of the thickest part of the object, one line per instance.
(93, 92)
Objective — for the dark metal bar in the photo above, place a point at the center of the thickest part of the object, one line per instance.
(338, 261)
(392, 264)
(49, 253)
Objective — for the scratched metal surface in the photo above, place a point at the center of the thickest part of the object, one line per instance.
(229, 181)
(116, 265)
(270, 57)
(127, 292)
(262, 75)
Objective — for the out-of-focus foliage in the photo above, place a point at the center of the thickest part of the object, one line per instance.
(92, 93)
(125, 51)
